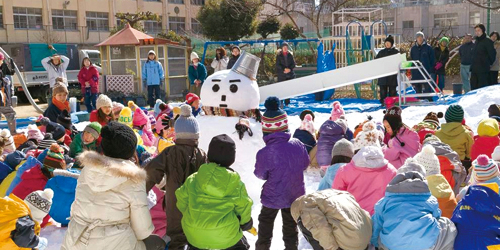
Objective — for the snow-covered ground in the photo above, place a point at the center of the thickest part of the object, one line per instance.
(475, 105)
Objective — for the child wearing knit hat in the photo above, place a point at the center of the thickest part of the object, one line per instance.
(337, 111)
(86, 140)
(306, 133)
(485, 170)
(342, 153)
(369, 136)
(193, 100)
(439, 186)
(429, 125)
(59, 102)
(103, 113)
(166, 133)
(173, 160)
(126, 117)
(34, 138)
(487, 138)
(9, 145)
(117, 109)
(455, 134)
(142, 126)
(494, 112)
(274, 119)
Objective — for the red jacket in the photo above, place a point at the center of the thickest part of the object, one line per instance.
(94, 118)
(90, 75)
(483, 145)
(32, 180)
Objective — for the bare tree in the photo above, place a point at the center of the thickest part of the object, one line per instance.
(493, 4)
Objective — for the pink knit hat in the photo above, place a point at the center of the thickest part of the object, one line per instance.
(140, 118)
(34, 133)
(308, 124)
(337, 111)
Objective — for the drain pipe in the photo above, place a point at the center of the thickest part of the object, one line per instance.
(23, 83)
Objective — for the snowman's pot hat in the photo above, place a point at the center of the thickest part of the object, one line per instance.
(247, 65)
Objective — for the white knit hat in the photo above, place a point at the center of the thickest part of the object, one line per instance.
(103, 101)
(10, 146)
(496, 154)
(308, 124)
(370, 136)
(194, 56)
(429, 160)
(39, 203)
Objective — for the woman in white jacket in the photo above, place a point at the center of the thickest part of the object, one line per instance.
(220, 60)
(110, 210)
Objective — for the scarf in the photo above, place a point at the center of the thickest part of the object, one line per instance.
(442, 47)
(60, 105)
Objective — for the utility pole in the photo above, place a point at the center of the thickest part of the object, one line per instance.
(488, 17)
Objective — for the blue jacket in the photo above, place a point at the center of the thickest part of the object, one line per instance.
(331, 172)
(30, 163)
(199, 73)
(475, 219)
(306, 138)
(407, 217)
(5, 170)
(152, 72)
(425, 54)
(64, 186)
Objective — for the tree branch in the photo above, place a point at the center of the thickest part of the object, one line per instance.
(482, 6)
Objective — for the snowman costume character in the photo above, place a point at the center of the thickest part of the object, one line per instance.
(233, 92)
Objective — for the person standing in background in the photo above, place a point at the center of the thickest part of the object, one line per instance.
(466, 52)
(483, 57)
(442, 54)
(236, 51)
(55, 66)
(495, 37)
(89, 82)
(285, 63)
(6, 109)
(424, 53)
(152, 77)
(387, 84)
(220, 61)
(197, 74)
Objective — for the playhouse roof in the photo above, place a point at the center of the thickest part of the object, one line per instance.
(126, 36)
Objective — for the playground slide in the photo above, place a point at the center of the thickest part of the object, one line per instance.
(333, 79)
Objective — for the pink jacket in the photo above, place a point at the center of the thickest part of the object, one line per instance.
(405, 145)
(365, 177)
(158, 215)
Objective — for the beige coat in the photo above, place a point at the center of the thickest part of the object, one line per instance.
(335, 219)
(110, 210)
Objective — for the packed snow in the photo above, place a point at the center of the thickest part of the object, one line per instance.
(475, 105)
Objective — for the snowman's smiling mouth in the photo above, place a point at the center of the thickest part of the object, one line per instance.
(223, 106)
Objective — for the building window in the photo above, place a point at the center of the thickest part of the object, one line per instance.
(198, 2)
(475, 18)
(152, 27)
(27, 18)
(389, 21)
(1, 17)
(408, 24)
(64, 19)
(176, 1)
(195, 26)
(177, 24)
(445, 20)
(97, 21)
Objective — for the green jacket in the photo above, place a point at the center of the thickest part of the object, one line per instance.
(76, 147)
(457, 137)
(211, 200)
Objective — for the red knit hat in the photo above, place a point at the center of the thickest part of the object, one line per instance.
(191, 97)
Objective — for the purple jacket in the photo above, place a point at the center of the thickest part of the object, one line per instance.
(329, 133)
(281, 164)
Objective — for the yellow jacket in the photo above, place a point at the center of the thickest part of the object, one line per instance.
(11, 209)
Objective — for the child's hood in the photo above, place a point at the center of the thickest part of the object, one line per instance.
(481, 199)
(331, 128)
(370, 157)
(216, 181)
(408, 183)
(439, 186)
(33, 174)
(103, 173)
(11, 208)
(65, 180)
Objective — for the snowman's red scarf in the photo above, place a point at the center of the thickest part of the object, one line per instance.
(216, 111)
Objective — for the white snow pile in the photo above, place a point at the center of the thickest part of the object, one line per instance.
(475, 106)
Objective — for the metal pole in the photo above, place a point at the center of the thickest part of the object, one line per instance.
(488, 17)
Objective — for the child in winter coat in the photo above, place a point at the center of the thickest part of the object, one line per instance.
(494, 112)
(194, 101)
(59, 102)
(166, 133)
(153, 77)
(17, 162)
(487, 138)
(89, 83)
(34, 138)
(455, 134)
(332, 219)
(9, 145)
(126, 116)
(142, 126)
(20, 220)
(365, 177)
(485, 170)
(58, 133)
(408, 217)
(216, 194)
(177, 162)
(306, 133)
(429, 125)
(86, 140)
(64, 186)
(111, 197)
(284, 177)
(439, 186)
(117, 109)
(329, 133)
(404, 142)
(342, 153)
(103, 113)
(476, 218)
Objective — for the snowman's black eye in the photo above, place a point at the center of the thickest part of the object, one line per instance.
(233, 88)
(216, 87)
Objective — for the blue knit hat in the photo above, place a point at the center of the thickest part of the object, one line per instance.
(274, 119)
(186, 126)
(454, 113)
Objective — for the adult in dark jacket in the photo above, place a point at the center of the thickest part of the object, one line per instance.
(236, 51)
(466, 52)
(6, 88)
(387, 84)
(197, 74)
(442, 54)
(484, 57)
(285, 63)
(177, 163)
(495, 37)
(424, 53)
